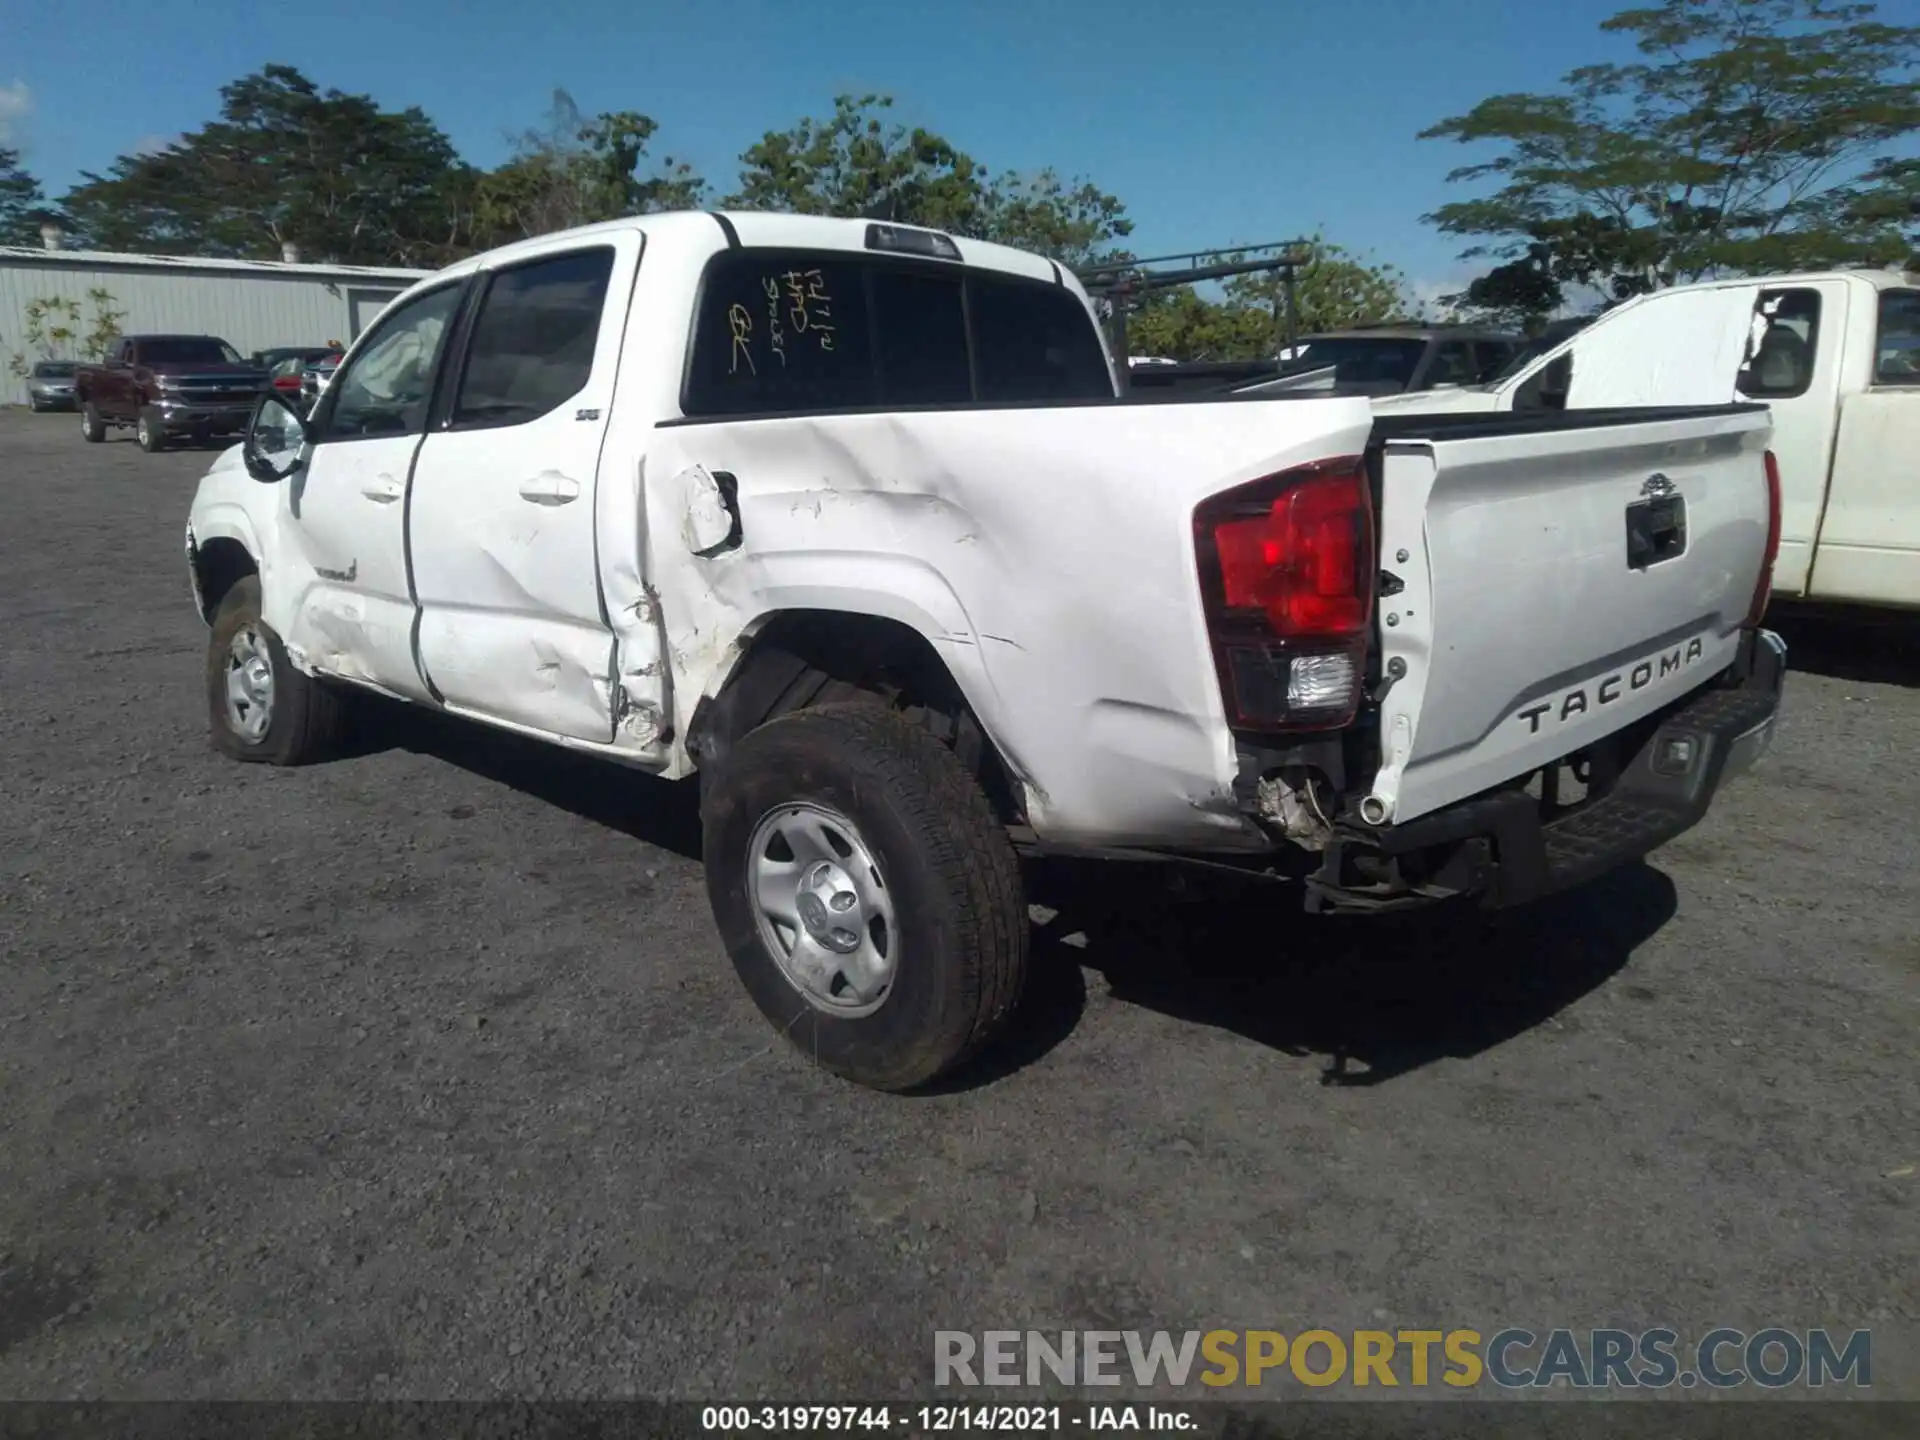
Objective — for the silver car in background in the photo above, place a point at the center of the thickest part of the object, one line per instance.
(50, 385)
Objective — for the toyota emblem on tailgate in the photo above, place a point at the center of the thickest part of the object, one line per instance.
(1657, 485)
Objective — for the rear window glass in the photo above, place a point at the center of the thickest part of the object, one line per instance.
(780, 332)
(1035, 342)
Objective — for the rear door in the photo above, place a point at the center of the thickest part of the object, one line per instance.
(1795, 344)
(1557, 578)
(505, 568)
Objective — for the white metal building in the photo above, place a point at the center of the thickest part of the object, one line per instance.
(251, 304)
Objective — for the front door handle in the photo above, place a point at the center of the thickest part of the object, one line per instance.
(549, 487)
(382, 490)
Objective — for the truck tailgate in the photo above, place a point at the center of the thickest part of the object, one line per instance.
(1550, 579)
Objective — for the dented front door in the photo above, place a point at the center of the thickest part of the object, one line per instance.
(512, 625)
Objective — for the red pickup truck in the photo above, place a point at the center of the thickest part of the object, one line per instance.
(167, 386)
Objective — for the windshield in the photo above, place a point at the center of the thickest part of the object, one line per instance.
(54, 370)
(188, 350)
(1359, 360)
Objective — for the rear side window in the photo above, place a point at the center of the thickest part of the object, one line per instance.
(789, 332)
(1897, 350)
(533, 339)
(1782, 346)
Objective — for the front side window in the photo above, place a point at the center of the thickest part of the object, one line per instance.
(534, 339)
(1897, 348)
(1782, 345)
(385, 388)
(793, 332)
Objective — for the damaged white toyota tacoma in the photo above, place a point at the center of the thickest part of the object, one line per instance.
(857, 522)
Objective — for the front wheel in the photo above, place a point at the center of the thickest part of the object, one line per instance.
(93, 428)
(867, 893)
(260, 708)
(150, 432)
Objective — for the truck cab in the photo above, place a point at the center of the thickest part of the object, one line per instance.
(1834, 355)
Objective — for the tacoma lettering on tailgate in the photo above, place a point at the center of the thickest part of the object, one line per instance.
(1609, 688)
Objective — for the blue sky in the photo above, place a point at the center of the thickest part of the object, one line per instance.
(1234, 124)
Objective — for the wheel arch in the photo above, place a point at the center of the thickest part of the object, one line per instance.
(796, 658)
(220, 554)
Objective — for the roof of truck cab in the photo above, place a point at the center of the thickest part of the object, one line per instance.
(757, 229)
(1878, 279)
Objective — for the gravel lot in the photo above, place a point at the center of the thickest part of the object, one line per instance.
(422, 1073)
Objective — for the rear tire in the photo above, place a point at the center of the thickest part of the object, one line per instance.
(260, 709)
(92, 428)
(149, 431)
(922, 851)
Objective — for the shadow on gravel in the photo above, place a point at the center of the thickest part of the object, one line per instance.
(1872, 648)
(660, 812)
(1379, 997)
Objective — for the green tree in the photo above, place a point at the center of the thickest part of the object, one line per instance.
(330, 172)
(20, 202)
(1727, 147)
(575, 171)
(857, 162)
(1332, 289)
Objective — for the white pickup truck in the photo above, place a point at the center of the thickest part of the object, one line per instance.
(1834, 356)
(851, 520)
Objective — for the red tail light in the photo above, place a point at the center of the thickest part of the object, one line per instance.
(1288, 575)
(286, 382)
(1763, 588)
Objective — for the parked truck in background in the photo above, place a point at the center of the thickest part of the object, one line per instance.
(851, 521)
(166, 387)
(1835, 356)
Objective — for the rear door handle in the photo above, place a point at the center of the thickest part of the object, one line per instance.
(382, 490)
(549, 487)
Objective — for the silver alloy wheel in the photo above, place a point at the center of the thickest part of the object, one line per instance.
(145, 431)
(823, 907)
(249, 684)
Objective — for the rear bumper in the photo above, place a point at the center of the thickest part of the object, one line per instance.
(1505, 849)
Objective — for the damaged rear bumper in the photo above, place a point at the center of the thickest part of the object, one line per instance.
(1510, 846)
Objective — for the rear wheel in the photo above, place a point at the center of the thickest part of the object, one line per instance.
(92, 428)
(260, 708)
(149, 431)
(866, 892)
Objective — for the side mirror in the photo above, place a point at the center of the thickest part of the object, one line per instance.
(276, 440)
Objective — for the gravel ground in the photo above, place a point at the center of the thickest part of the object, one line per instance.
(422, 1073)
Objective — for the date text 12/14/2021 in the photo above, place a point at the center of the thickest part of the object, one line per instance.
(942, 1419)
